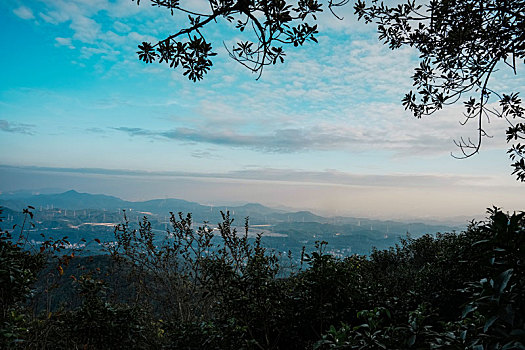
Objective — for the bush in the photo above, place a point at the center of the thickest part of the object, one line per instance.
(194, 290)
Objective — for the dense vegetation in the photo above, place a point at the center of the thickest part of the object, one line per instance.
(448, 291)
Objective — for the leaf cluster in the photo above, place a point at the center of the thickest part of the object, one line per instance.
(272, 24)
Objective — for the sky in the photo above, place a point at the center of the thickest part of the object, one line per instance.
(324, 131)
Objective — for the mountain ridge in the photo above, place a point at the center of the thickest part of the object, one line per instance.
(258, 213)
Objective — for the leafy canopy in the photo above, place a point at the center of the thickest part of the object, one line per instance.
(461, 44)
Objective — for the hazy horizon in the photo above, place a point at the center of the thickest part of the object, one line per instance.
(225, 189)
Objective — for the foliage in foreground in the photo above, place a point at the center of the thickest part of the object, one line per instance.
(199, 290)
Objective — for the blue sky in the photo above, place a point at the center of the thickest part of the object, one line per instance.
(324, 131)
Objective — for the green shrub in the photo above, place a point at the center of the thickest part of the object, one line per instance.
(196, 290)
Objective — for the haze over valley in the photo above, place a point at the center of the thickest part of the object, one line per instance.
(88, 216)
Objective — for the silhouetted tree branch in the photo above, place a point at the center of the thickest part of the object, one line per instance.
(273, 22)
(461, 44)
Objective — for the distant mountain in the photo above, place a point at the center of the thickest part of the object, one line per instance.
(282, 221)
(83, 215)
(66, 200)
(258, 209)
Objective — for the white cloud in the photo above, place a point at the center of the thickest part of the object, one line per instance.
(24, 12)
(85, 29)
(121, 27)
(64, 42)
